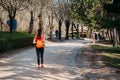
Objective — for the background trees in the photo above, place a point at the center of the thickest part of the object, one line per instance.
(86, 12)
(60, 11)
(12, 6)
(112, 18)
(37, 10)
(102, 16)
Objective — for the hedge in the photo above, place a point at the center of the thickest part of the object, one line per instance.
(15, 40)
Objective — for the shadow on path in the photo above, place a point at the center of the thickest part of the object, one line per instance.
(58, 59)
(91, 64)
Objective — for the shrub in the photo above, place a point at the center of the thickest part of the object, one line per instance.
(15, 40)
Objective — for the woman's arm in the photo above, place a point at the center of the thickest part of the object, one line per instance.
(34, 40)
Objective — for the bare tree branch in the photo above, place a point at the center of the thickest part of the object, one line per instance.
(12, 6)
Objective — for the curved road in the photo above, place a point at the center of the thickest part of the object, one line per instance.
(59, 59)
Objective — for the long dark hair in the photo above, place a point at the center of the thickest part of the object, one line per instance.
(39, 33)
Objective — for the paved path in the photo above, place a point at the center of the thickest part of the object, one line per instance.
(59, 59)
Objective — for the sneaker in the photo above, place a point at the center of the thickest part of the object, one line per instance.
(42, 66)
(38, 66)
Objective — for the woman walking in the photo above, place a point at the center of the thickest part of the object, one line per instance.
(39, 41)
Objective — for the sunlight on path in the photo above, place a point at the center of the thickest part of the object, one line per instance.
(58, 59)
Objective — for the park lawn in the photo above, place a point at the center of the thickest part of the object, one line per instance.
(111, 56)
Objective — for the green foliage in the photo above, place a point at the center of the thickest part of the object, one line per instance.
(96, 13)
(111, 55)
(111, 17)
(14, 40)
(87, 12)
(106, 23)
(113, 7)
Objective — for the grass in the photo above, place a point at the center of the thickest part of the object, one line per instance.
(110, 55)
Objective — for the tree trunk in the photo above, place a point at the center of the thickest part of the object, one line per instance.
(103, 36)
(115, 38)
(1, 24)
(67, 23)
(78, 36)
(82, 31)
(88, 34)
(60, 24)
(51, 25)
(40, 21)
(93, 36)
(31, 22)
(12, 17)
(109, 37)
(11, 25)
(118, 41)
(72, 29)
(119, 36)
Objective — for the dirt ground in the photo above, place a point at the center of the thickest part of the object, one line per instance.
(95, 67)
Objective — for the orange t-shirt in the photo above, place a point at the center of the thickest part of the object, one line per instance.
(42, 38)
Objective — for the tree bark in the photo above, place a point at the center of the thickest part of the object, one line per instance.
(60, 24)
(1, 23)
(78, 36)
(11, 17)
(67, 23)
(31, 22)
(115, 38)
(118, 41)
(11, 25)
(40, 21)
(111, 35)
(72, 29)
(82, 31)
(88, 34)
(103, 36)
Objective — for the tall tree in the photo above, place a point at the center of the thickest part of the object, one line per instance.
(12, 6)
(113, 10)
(66, 13)
(87, 12)
(1, 22)
(37, 8)
(59, 13)
(61, 9)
